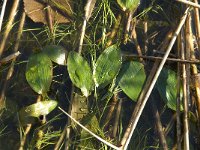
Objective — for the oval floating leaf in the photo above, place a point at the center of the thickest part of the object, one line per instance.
(39, 72)
(128, 4)
(80, 73)
(131, 79)
(38, 109)
(56, 53)
(107, 66)
(167, 87)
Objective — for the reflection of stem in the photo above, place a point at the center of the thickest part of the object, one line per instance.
(111, 109)
(148, 88)
(116, 123)
(114, 30)
(159, 126)
(127, 29)
(145, 37)
(8, 26)
(134, 37)
(11, 69)
(61, 139)
(23, 140)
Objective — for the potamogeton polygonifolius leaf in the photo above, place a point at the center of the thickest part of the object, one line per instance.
(80, 73)
(39, 72)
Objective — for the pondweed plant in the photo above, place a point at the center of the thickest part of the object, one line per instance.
(92, 68)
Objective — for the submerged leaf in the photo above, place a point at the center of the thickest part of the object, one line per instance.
(107, 66)
(131, 79)
(60, 10)
(80, 73)
(39, 72)
(56, 53)
(128, 4)
(167, 87)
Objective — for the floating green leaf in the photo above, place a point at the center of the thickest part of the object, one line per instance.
(167, 87)
(107, 66)
(30, 113)
(80, 73)
(128, 4)
(39, 108)
(39, 72)
(56, 53)
(131, 79)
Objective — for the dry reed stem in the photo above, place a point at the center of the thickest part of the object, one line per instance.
(178, 102)
(148, 88)
(185, 75)
(8, 26)
(11, 69)
(2, 13)
(189, 3)
(197, 23)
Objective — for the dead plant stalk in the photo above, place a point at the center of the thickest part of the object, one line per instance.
(8, 26)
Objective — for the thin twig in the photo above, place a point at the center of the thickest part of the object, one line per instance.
(144, 96)
(189, 3)
(88, 11)
(132, 56)
(2, 13)
(87, 130)
(8, 26)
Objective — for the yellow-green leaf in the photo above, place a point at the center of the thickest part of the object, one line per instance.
(128, 4)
